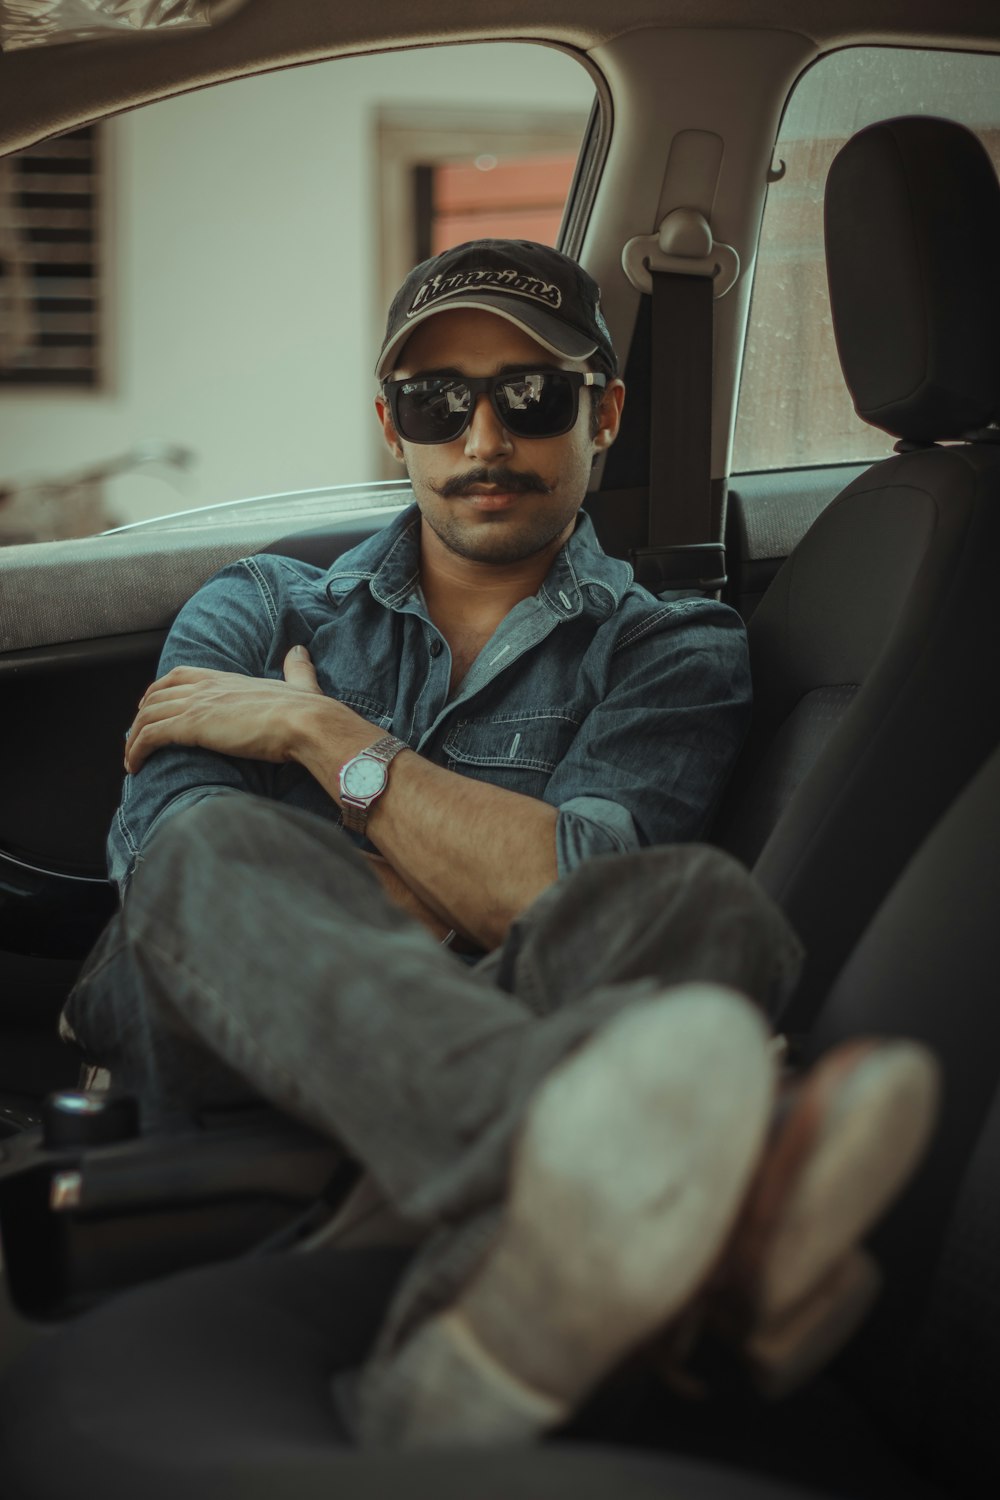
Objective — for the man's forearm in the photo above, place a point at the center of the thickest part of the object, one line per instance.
(403, 896)
(473, 854)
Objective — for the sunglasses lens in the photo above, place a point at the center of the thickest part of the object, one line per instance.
(434, 410)
(539, 404)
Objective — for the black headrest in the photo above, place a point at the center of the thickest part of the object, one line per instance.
(913, 258)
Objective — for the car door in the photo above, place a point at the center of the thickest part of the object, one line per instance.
(186, 378)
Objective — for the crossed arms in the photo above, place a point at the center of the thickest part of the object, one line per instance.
(659, 707)
(455, 852)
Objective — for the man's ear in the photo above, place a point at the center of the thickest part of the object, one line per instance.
(609, 414)
(392, 442)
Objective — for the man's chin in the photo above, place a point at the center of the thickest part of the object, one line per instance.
(493, 542)
(501, 537)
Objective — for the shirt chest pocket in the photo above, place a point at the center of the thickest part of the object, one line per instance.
(516, 751)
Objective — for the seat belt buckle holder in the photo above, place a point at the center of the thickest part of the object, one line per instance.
(698, 565)
(684, 246)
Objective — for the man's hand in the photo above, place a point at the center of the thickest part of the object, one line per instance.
(256, 718)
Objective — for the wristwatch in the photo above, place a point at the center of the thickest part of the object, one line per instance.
(364, 778)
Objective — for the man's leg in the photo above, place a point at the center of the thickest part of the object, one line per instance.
(252, 935)
(256, 957)
(664, 916)
(673, 914)
(628, 1173)
(654, 1180)
(616, 931)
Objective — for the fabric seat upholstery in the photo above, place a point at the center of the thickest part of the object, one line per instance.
(876, 650)
(215, 1384)
(928, 968)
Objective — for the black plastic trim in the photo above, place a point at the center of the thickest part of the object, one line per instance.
(62, 654)
(47, 914)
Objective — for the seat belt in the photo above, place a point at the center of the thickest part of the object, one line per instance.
(685, 271)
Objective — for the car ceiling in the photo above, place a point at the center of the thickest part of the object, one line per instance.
(52, 88)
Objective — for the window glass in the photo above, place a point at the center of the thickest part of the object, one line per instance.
(246, 241)
(794, 408)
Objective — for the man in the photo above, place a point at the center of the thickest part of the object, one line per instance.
(615, 717)
(519, 740)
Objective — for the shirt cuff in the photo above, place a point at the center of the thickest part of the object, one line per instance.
(588, 826)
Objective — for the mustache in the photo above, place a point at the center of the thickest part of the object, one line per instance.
(523, 482)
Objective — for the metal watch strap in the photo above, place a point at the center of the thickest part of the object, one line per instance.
(385, 748)
(355, 815)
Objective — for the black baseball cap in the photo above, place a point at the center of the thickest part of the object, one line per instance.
(537, 288)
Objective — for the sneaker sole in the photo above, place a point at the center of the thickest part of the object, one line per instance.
(879, 1122)
(633, 1163)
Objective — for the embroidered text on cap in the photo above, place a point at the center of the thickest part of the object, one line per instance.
(510, 281)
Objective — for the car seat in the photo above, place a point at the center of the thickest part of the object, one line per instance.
(876, 651)
(927, 1367)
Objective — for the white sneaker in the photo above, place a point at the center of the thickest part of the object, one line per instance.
(635, 1158)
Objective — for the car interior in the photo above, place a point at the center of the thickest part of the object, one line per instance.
(173, 1309)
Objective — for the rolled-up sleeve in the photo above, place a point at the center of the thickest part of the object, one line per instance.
(649, 762)
(587, 826)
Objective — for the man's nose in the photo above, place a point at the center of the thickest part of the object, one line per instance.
(486, 437)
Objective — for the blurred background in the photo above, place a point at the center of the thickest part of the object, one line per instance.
(192, 295)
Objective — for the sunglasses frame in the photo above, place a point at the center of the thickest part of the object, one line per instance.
(487, 385)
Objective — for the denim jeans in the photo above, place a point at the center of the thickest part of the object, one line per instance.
(256, 955)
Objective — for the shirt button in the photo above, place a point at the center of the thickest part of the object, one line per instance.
(435, 647)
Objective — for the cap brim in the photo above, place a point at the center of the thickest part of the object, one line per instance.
(555, 336)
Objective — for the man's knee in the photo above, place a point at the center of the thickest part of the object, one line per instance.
(678, 912)
(212, 820)
(240, 861)
(239, 826)
(646, 880)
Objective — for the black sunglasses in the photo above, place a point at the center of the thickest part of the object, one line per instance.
(529, 403)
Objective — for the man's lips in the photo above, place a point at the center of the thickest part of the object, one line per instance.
(484, 498)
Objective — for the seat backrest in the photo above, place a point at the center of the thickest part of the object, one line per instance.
(876, 649)
(928, 967)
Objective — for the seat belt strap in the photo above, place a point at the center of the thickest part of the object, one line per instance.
(681, 550)
(680, 451)
(683, 547)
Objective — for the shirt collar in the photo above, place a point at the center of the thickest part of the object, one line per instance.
(582, 576)
(388, 561)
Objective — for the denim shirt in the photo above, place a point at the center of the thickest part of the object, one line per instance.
(623, 711)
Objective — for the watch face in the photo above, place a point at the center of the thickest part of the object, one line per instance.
(363, 777)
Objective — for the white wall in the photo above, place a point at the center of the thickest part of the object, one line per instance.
(242, 274)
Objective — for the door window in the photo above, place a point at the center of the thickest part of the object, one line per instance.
(794, 408)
